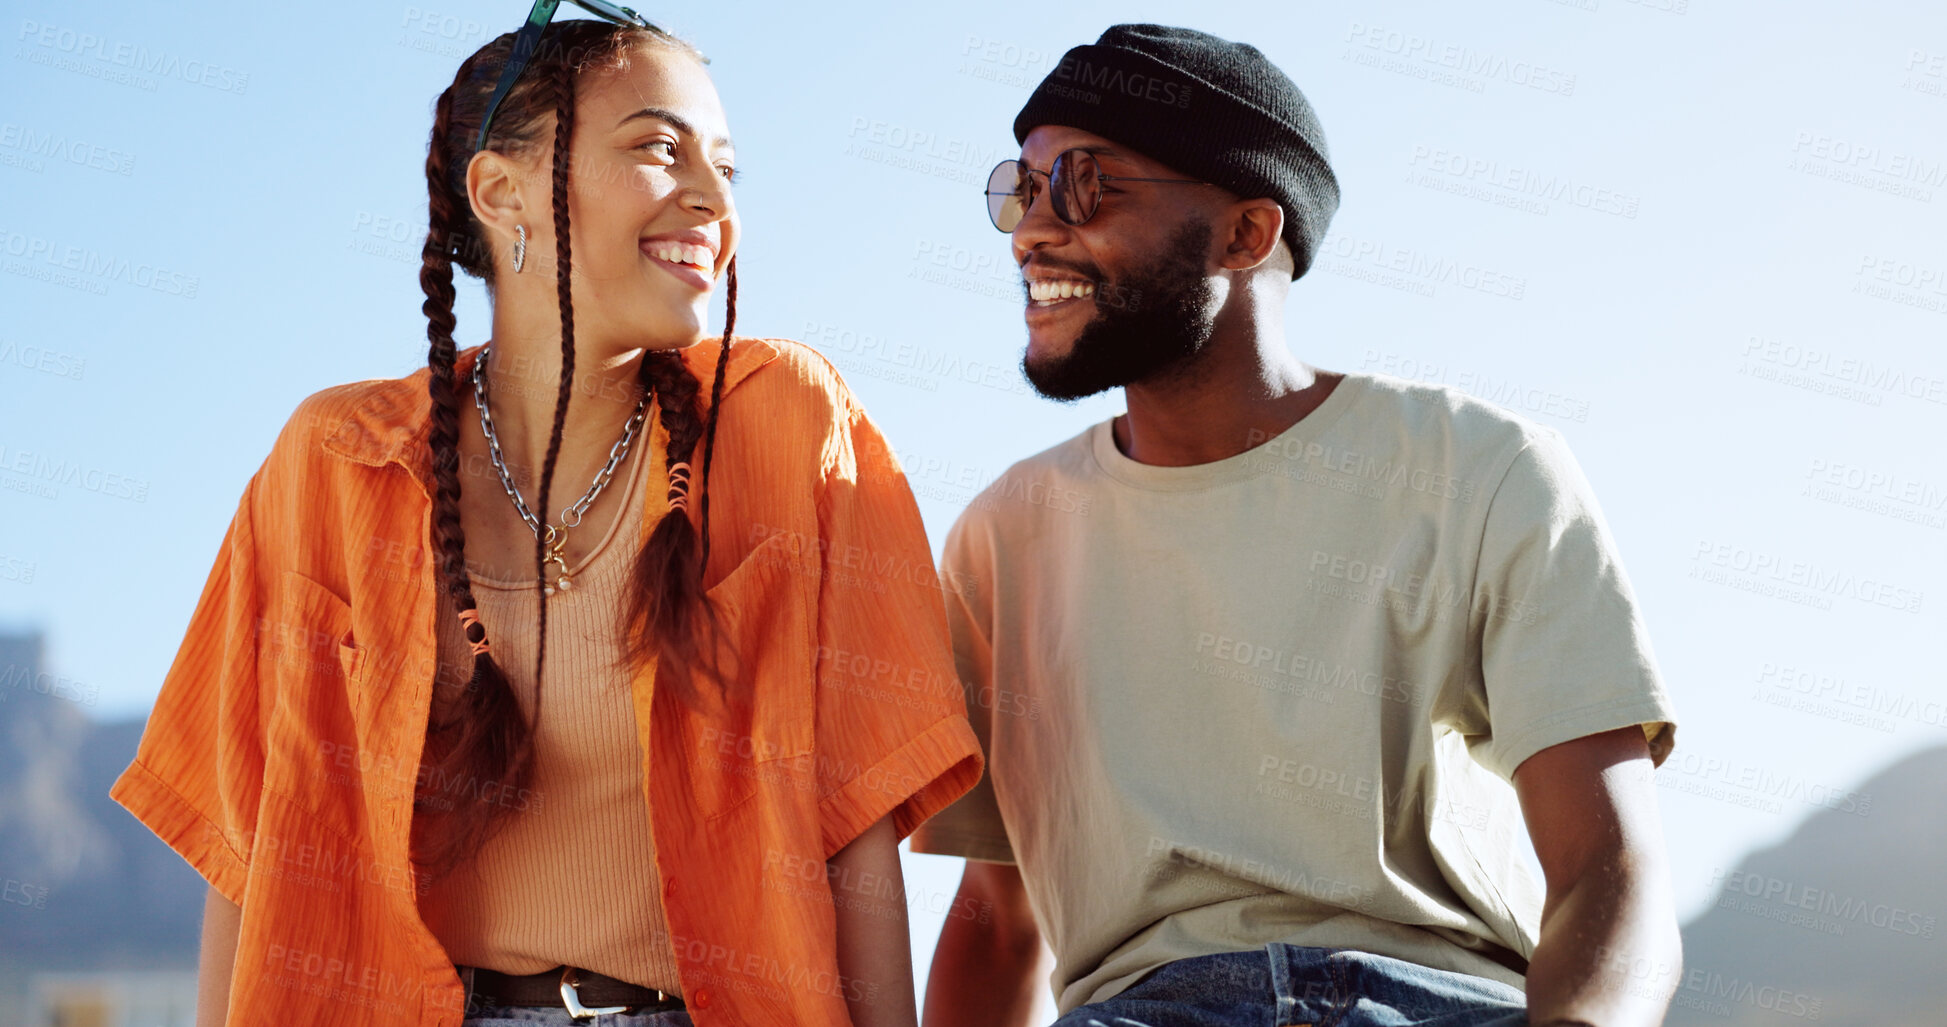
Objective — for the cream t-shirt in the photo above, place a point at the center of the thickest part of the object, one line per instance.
(1279, 697)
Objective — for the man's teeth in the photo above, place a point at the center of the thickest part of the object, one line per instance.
(678, 253)
(1050, 291)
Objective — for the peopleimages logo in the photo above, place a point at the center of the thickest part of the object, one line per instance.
(1797, 580)
(1830, 910)
(1128, 83)
(116, 60)
(87, 269)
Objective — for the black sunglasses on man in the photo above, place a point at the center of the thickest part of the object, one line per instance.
(1074, 187)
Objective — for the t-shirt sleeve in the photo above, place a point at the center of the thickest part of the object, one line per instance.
(891, 732)
(972, 826)
(1564, 652)
(199, 769)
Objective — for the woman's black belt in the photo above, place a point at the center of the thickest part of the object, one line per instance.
(583, 993)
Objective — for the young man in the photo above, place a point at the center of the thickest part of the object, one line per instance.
(1256, 663)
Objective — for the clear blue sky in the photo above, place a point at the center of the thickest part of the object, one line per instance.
(1724, 222)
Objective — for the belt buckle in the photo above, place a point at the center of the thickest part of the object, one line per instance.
(571, 998)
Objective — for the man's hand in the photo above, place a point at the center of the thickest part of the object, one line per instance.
(1610, 952)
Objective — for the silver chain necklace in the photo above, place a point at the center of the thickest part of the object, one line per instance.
(555, 539)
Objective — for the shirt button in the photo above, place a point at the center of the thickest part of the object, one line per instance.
(669, 888)
(702, 998)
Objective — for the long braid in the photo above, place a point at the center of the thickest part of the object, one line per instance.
(716, 395)
(564, 127)
(669, 616)
(669, 613)
(486, 729)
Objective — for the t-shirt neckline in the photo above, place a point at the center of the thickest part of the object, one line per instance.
(1243, 465)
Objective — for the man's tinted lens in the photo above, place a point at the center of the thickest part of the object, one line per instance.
(1007, 198)
(1076, 187)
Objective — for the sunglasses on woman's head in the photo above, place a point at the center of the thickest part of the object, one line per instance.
(528, 39)
(1074, 187)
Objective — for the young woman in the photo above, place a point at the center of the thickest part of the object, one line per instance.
(446, 756)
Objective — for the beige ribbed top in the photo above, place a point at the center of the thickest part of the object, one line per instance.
(571, 878)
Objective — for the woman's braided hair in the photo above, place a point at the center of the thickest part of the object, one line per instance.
(483, 748)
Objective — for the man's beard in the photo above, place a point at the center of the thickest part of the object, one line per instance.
(1149, 323)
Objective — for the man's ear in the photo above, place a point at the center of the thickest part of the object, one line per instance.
(494, 190)
(1252, 229)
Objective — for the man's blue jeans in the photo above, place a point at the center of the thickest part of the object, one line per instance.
(1281, 985)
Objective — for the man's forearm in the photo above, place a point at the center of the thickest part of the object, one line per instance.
(989, 965)
(1609, 954)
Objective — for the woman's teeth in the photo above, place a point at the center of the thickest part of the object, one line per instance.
(678, 253)
(1046, 292)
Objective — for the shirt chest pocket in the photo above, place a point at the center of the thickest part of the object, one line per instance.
(763, 609)
(313, 665)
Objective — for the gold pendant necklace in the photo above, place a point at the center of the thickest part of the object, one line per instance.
(557, 545)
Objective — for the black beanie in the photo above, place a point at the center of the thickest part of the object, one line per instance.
(1216, 110)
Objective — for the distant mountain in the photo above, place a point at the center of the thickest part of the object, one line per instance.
(1845, 922)
(83, 885)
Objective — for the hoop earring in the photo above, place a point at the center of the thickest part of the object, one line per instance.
(520, 247)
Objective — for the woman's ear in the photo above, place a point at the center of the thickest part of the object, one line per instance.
(496, 188)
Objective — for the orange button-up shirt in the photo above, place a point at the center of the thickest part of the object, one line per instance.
(281, 757)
